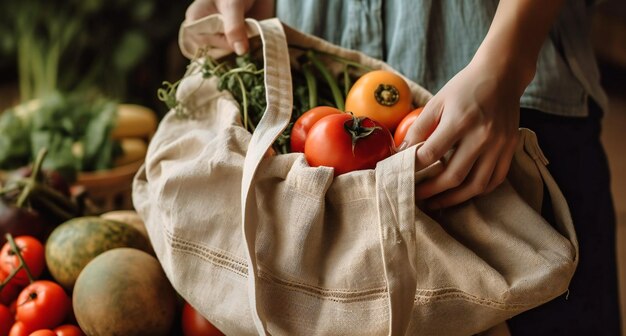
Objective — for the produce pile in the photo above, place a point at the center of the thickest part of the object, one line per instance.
(81, 133)
(64, 271)
(348, 122)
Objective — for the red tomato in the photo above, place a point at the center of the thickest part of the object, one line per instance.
(381, 95)
(42, 305)
(19, 329)
(10, 292)
(347, 143)
(43, 332)
(6, 320)
(304, 123)
(33, 253)
(403, 126)
(195, 324)
(68, 330)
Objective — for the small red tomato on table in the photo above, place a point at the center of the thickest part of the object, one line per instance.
(42, 305)
(195, 324)
(32, 252)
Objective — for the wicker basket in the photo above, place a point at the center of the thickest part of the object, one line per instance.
(110, 189)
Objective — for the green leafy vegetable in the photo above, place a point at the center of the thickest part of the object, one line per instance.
(243, 76)
(60, 122)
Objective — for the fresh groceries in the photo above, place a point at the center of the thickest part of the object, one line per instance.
(33, 201)
(301, 127)
(195, 324)
(120, 290)
(81, 133)
(404, 125)
(124, 291)
(381, 95)
(372, 105)
(347, 143)
(92, 236)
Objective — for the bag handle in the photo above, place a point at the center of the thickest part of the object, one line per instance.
(395, 198)
(530, 144)
(275, 119)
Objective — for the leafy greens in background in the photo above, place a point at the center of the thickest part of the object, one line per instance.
(118, 47)
(75, 129)
(73, 61)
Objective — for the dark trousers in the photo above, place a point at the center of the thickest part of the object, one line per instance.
(579, 165)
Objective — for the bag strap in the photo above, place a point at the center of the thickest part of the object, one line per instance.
(395, 197)
(275, 119)
(528, 140)
(395, 187)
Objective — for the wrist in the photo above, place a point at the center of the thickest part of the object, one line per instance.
(514, 69)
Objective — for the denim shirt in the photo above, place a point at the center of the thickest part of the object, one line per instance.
(429, 41)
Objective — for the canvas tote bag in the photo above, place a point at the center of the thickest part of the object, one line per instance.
(267, 245)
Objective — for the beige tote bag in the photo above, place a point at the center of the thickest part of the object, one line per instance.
(267, 245)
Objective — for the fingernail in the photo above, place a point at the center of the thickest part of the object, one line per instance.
(402, 146)
(239, 48)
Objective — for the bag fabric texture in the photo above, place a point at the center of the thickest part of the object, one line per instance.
(263, 244)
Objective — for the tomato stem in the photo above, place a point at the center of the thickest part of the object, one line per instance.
(32, 180)
(356, 130)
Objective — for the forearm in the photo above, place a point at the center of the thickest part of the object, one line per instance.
(515, 37)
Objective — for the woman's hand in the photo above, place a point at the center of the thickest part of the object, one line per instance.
(477, 111)
(477, 114)
(233, 12)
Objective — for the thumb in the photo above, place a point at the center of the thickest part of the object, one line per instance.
(424, 124)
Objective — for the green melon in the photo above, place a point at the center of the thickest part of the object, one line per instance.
(76, 242)
(124, 291)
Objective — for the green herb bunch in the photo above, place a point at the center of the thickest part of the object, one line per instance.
(313, 84)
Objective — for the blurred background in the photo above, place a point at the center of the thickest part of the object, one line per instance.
(609, 36)
(125, 49)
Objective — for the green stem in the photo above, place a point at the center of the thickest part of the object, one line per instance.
(334, 57)
(244, 97)
(311, 84)
(332, 83)
(23, 52)
(8, 189)
(32, 180)
(347, 83)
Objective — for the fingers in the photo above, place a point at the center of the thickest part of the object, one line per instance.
(464, 179)
(455, 173)
(234, 25)
(424, 124)
(449, 130)
(234, 37)
(199, 9)
(474, 184)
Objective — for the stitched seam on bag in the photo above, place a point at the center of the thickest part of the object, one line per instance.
(422, 296)
(215, 257)
(448, 294)
(336, 295)
(240, 268)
